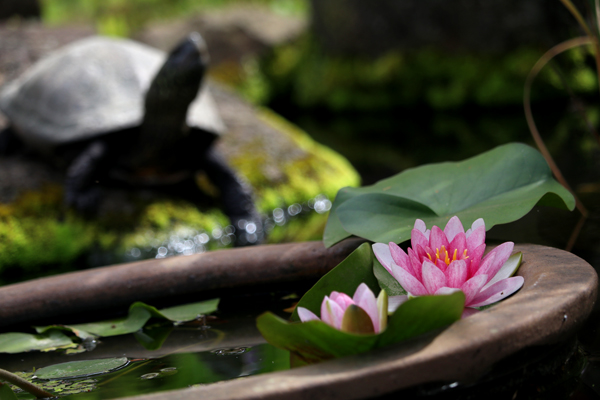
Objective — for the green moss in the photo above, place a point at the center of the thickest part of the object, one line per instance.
(34, 230)
(321, 171)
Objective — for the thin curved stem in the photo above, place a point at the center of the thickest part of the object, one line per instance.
(593, 37)
(24, 384)
(559, 48)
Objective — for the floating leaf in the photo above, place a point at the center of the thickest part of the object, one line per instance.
(74, 369)
(500, 186)
(189, 312)
(15, 342)
(135, 320)
(139, 314)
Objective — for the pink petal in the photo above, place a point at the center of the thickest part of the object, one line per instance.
(420, 225)
(446, 290)
(412, 285)
(471, 288)
(458, 244)
(433, 277)
(441, 265)
(457, 273)
(341, 299)
(437, 239)
(400, 257)
(418, 239)
(383, 255)
(453, 228)
(475, 257)
(486, 265)
(477, 223)
(331, 313)
(507, 270)
(476, 237)
(502, 252)
(497, 291)
(365, 299)
(416, 263)
(306, 315)
(424, 253)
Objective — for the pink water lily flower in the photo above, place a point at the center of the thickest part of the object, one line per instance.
(335, 306)
(441, 262)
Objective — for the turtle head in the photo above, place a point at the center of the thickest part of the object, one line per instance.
(168, 98)
(177, 82)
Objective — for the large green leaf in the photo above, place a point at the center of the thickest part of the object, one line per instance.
(500, 186)
(345, 278)
(316, 341)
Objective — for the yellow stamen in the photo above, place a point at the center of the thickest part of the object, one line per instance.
(454, 256)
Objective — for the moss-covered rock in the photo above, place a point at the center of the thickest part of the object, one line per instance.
(283, 165)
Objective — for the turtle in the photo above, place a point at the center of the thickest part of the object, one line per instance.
(116, 110)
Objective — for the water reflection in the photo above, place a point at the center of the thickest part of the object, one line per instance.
(182, 370)
(187, 241)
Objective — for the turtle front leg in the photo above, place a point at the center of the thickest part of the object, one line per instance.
(236, 199)
(81, 188)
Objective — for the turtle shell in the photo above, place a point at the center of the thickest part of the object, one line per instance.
(89, 88)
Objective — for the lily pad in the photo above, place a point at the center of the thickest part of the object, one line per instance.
(16, 342)
(139, 314)
(189, 312)
(74, 369)
(500, 186)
